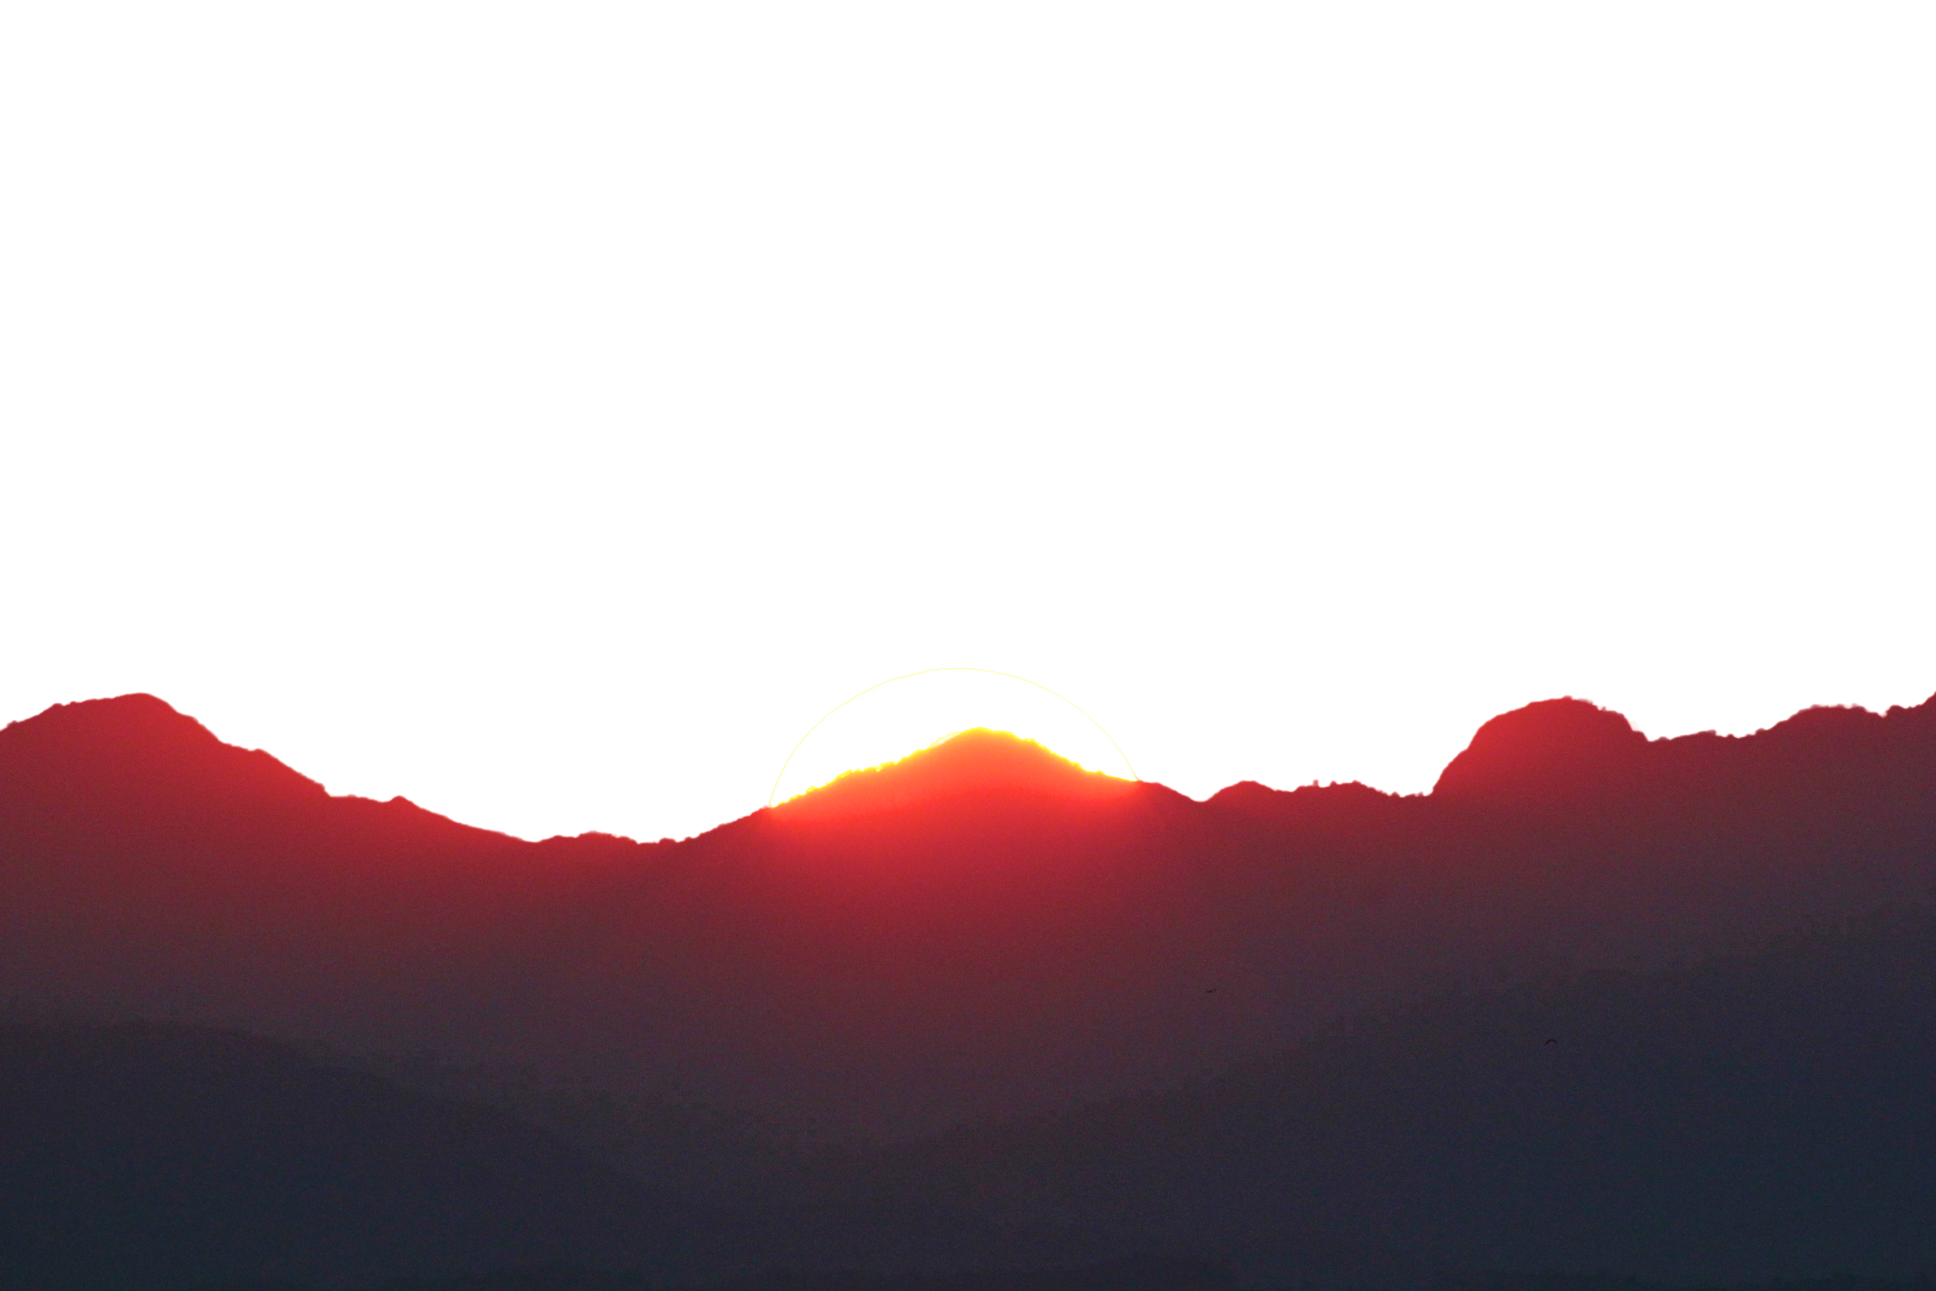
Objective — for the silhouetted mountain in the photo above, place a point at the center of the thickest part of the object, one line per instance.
(130, 765)
(162, 1157)
(981, 929)
(1737, 1083)
(975, 765)
(1565, 755)
(150, 870)
(1553, 755)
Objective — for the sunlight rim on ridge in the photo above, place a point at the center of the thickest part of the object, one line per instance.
(905, 715)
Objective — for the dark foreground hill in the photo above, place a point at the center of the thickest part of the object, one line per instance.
(140, 1155)
(1735, 1119)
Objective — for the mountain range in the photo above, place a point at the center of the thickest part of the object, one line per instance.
(1595, 1004)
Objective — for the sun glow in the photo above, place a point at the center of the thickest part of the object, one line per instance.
(903, 715)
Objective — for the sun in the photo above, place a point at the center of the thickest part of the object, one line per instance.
(903, 715)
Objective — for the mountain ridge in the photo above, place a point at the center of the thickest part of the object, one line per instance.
(1545, 746)
(1582, 737)
(1597, 1004)
(886, 963)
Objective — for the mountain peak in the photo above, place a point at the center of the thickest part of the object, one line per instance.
(1243, 792)
(123, 719)
(139, 739)
(970, 762)
(1553, 750)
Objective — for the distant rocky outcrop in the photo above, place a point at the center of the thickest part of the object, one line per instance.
(1566, 756)
(1552, 755)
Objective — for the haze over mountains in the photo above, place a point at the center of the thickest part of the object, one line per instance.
(983, 932)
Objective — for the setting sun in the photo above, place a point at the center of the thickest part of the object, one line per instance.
(899, 716)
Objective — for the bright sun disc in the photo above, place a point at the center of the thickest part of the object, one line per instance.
(903, 715)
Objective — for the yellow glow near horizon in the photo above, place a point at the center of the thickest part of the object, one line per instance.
(903, 715)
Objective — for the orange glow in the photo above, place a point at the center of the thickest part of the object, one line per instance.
(890, 720)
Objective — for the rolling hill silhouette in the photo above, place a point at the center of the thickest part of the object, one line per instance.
(144, 1155)
(1597, 1003)
(1742, 1118)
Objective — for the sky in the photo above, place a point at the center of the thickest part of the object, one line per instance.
(674, 763)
